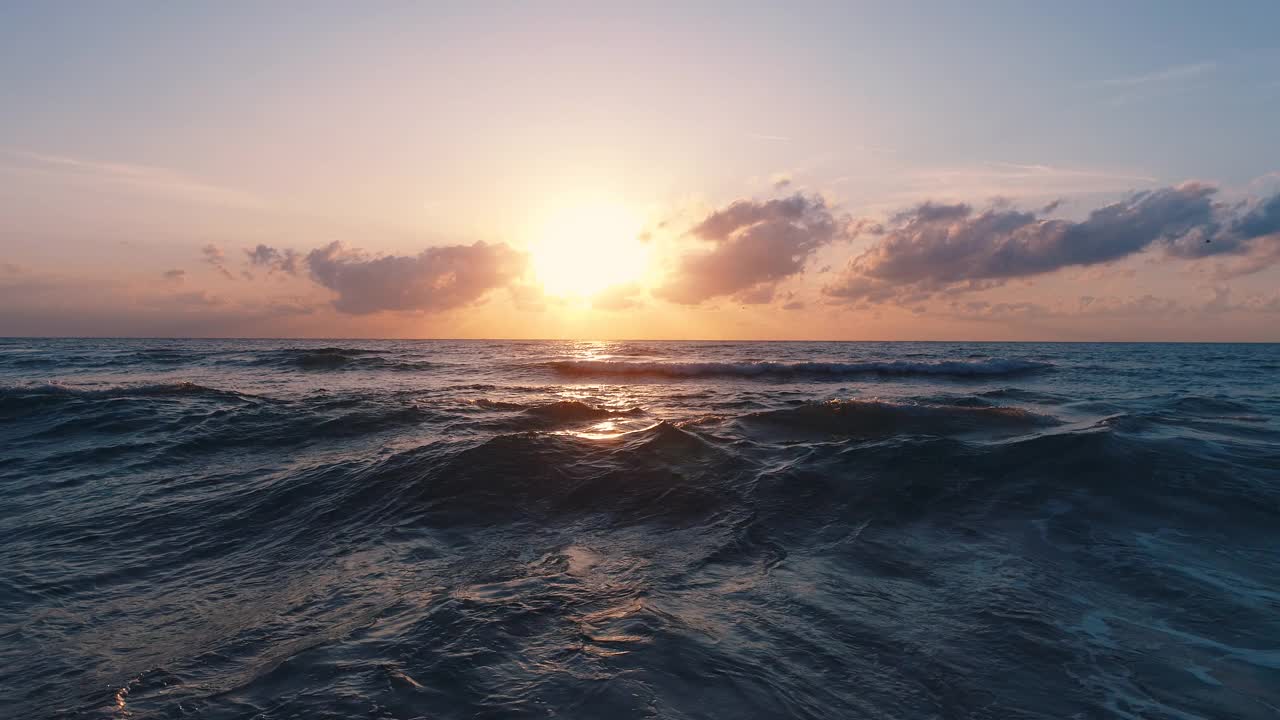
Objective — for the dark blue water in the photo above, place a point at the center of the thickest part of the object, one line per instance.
(292, 529)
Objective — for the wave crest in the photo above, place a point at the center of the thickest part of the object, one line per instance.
(338, 358)
(659, 472)
(992, 367)
(56, 390)
(549, 415)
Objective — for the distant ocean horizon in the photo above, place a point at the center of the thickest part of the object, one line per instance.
(284, 338)
(228, 528)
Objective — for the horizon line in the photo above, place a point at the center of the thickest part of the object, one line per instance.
(636, 340)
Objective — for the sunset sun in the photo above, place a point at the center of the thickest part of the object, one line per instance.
(583, 247)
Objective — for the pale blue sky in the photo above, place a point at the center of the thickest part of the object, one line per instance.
(1173, 88)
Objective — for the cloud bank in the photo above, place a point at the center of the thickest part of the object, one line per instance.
(942, 249)
(750, 246)
(438, 278)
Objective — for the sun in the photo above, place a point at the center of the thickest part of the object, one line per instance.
(583, 247)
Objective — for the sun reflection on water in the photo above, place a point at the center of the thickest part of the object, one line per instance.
(611, 429)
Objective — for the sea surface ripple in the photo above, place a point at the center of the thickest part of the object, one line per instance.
(484, 529)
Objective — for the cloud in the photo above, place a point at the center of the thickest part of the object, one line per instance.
(750, 246)
(438, 278)
(1170, 74)
(214, 256)
(175, 275)
(933, 249)
(287, 261)
(281, 307)
(1251, 237)
(1160, 83)
(1262, 220)
(529, 297)
(1000, 311)
(618, 297)
(1263, 252)
(195, 299)
(1221, 300)
(139, 178)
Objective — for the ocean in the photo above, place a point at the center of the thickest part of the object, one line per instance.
(485, 529)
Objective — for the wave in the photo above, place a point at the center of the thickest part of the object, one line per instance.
(659, 472)
(552, 415)
(59, 411)
(634, 350)
(875, 418)
(1025, 395)
(494, 542)
(337, 358)
(56, 390)
(161, 356)
(991, 367)
(1211, 407)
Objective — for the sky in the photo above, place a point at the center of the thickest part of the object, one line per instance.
(845, 171)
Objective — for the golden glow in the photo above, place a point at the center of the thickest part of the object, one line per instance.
(588, 245)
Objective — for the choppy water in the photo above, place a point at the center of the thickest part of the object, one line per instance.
(290, 529)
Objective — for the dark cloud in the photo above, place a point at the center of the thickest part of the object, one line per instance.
(438, 278)
(287, 261)
(214, 256)
(752, 246)
(1252, 231)
(261, 255)
(1263, 220)
(175, 275)
(933, 249)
